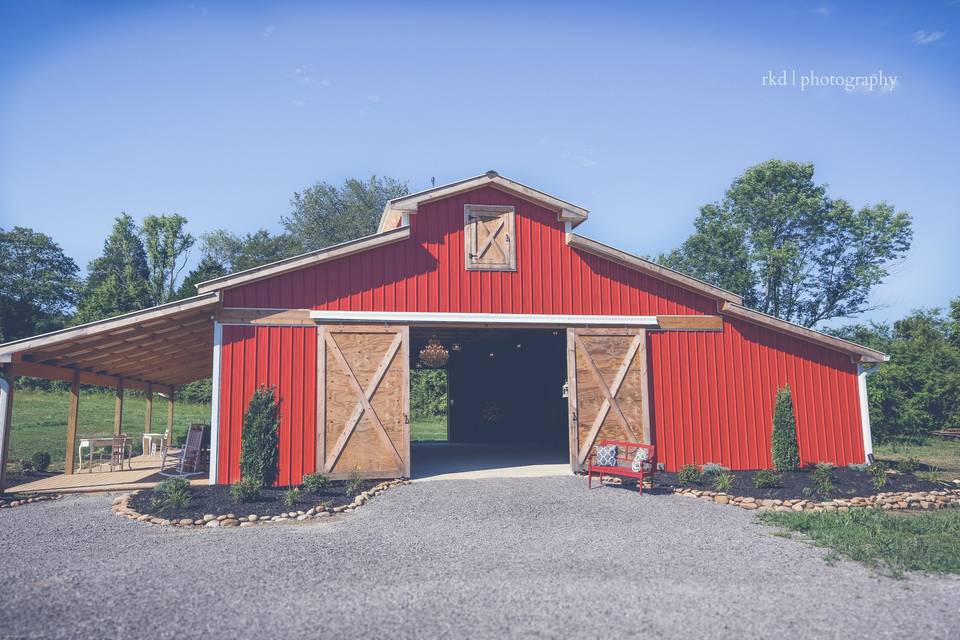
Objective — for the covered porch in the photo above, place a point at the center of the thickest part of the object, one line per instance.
(153, 351)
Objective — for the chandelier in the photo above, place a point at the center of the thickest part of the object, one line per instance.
(433, 354)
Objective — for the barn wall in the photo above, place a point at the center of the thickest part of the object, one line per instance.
(281, 357)
(426, 273)
(712, 397)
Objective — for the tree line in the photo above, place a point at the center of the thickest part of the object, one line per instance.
(777, 238)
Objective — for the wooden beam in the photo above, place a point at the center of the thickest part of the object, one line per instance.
(118, 408)
(49, 372)
(169, 433)
(6, 422)
(690, 323)
(148, 410)
(294, 317)
(72, 416)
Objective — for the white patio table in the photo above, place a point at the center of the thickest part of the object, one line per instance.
(90, 444)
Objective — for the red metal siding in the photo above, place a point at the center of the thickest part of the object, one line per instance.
(426, 273)
(286, 359)
(712, 397)
(711, 394)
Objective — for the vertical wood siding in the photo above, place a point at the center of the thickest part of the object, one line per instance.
(281, 357)
(712, 397)
(712, 394)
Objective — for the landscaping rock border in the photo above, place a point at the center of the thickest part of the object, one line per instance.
(121, 506)
(9, 503)
(922, 500)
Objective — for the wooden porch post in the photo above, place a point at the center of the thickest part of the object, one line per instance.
(69, 459)
(148, 410)
(6, 420)
(170, 416)
(118, 409)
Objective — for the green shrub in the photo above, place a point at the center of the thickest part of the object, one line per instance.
(822, 477)
(806, 492)
(766, 479)
(354, 483)
(315, 482)
(713, 468)
(174, 492)
(428, 392)
(246, 490)
(24, 465)
(908, 464)
(290, 497)
(723, 481)
(786, 453)
(41, 461)
(878, 475)
(689, 474)
(259, 450)
(931, 475)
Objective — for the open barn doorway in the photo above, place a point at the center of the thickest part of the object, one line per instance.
(506, 413)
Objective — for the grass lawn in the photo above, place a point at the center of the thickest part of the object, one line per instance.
(889, 543)
(935, 452)
(429, 428)
(40, 420)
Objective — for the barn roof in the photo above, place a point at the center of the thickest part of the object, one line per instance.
(395, 209)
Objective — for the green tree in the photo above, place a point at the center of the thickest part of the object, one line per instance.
(38, 284)
(117, 280)
(786, 453)
(789, 249)
(918, 390)
(428, 392)
(237, 253)
(259, 453)
(323, 214)
(167, 245)
(207, 269)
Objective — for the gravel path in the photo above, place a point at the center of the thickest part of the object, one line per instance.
(487, 558)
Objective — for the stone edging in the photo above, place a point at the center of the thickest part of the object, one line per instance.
(926, 500)
(7, 503)
(121, 506)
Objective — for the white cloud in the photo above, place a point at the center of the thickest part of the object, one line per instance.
(922, 37)
(299, 103)
(303, 75)
(374, 99)
(268, 31)
(824, 11)
(199, 8)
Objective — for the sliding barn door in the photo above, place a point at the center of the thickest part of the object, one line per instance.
(607, 378)
(363, 399)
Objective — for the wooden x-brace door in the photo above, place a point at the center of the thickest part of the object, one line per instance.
(608, 393)
(363, 398)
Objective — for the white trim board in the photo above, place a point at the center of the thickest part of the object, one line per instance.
(215, 404)
(417, 317)
(863, 372)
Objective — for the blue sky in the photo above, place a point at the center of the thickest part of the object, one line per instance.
(641, 114)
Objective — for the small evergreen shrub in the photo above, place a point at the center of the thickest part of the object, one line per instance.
(41, 461)
(315, 482)
(173, 492)
(878, 476)
(246, 490)
(259, 452)
(290, 497)
(689, 474)
(806, 492)
(354, 483)
(722, 481)
(908, 464)
(766, 479)
(713, 468)
(786, 453)
(822, 477)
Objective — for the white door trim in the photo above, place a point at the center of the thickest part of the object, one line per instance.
(215, 404)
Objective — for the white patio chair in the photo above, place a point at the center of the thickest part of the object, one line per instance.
(187, 457)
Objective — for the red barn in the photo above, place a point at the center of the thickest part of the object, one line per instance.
(553, 340)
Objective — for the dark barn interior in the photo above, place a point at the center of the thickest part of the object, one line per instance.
(504, 385)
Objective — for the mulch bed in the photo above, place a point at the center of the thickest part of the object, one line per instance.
(215, 499)
(848, 482)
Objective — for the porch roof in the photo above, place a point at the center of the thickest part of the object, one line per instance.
(167, 345)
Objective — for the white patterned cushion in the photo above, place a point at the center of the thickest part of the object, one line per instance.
(607, 455)
(640, 460)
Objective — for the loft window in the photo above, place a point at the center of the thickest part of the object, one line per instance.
(489, 238)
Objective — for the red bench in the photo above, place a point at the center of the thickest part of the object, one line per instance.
(625, 454)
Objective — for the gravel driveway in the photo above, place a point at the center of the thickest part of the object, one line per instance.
(484, 558)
